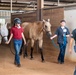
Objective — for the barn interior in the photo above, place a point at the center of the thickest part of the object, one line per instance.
(9, 9)
(32, 4)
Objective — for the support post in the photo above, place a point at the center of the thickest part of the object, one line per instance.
(40, 6)
(11, 6)
(58, 2)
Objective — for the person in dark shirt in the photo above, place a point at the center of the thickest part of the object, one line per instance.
(73, 39)
(61, 33)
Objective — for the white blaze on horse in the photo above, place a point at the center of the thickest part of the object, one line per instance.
(34, 31)
(3, 32)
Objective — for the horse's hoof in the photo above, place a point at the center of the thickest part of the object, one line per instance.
(31, 58)
(25, 56)
(43, 60)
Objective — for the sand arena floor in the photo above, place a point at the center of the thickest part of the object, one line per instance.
(33, 67)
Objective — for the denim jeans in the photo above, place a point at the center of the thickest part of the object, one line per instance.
(62, 52)
(17, 46)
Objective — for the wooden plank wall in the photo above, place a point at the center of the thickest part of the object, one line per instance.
(25, 17)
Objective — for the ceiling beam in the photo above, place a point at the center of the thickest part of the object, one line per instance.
(27, 3)
(20, 6)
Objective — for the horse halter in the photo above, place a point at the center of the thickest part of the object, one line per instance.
(47, 32)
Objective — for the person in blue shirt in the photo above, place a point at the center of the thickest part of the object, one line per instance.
(73, 39)
(61, 33)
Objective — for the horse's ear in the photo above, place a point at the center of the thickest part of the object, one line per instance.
(43, 20)
(48, 20)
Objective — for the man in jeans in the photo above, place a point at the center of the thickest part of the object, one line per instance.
(17, 34)
(62, 33)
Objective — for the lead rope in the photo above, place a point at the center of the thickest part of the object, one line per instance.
(64, 42)
(53, 42)
(11, 50)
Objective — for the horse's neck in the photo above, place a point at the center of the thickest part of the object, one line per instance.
(40, 26)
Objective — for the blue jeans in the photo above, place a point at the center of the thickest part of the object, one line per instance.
(62, 52)
(17, 46)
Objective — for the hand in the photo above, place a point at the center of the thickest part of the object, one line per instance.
(24, 42)
(70, 51)
(51, 38)
(7, 42)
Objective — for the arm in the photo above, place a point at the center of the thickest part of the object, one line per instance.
(67, 35)
(70, 45)
(23, 38)
(9, 39)
(56, 34)
(53, 37)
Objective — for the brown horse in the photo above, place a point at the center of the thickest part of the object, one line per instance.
(34, 31)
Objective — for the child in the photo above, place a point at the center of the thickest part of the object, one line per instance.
(17, 34)
(62, 33)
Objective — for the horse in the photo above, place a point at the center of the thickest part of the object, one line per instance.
(3, 32)
(34, 31)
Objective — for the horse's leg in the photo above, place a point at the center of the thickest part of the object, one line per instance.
(32, 44)
(41, 49)
(25, 51)
(25, 48)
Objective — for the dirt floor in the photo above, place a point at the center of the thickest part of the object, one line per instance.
(33, 67)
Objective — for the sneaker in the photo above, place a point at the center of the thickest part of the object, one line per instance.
(62, 63)
(18, 65)
(59, 61)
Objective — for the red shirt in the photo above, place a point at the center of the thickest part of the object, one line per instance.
(17, 32)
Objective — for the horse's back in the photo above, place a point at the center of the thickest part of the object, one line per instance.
(32, 30)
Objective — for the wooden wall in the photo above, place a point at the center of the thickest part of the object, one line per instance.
(25, 17)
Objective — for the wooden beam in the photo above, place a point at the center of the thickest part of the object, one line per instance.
(19, 6)
(40, 6)
(58, 2)
(11, 6)
(16, 3)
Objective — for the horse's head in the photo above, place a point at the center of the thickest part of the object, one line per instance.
(4, 31)
(47, 27)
